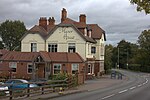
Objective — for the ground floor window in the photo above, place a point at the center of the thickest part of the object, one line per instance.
(13, 66)
(29, 66)
(57, 68)
(75, 68)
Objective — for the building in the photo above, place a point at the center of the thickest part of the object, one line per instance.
(68, 36)
(39, 65)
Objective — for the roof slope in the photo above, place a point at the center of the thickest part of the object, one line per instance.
(19, 56)
(14, 56)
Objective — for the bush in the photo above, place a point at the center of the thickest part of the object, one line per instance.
(135, 67)
(60, 76)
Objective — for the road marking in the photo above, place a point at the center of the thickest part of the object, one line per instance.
(139, 85)
(133, 87)
(123, 91)
(107, 96)
(146, 80)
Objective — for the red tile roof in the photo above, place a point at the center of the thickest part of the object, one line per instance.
(3, 51)
(19, 56)
(13, 56)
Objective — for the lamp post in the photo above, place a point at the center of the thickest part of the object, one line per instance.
(118, 59)
(127, 58)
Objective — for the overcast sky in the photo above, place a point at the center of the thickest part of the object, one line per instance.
(118, 18)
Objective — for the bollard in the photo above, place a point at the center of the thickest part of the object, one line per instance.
(60, 91)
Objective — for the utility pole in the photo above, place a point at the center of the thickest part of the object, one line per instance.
(118, 58)
(127, 58)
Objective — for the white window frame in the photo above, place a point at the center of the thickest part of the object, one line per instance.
(72, 65)
(71, 45)
(55, 48)
(54, 68)
(33, 47)
(28, 68)
(13, 65)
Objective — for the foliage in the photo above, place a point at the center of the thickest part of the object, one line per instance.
(60, 76)
(144, 43)
(1, 45)
(108, 57)
(135, 67)
(11, 32)
(142, 5)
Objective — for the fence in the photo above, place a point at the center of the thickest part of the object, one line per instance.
(49, 87)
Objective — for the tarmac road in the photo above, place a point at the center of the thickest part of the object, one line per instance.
(137, 87)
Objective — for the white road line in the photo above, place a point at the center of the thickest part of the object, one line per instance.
(139, 85)
(107, 96)
(123, 91)
(144, 83)
(133, 87)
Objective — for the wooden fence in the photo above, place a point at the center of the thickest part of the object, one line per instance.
(49, 87)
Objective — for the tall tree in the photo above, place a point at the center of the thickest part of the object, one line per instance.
(1, 45)
(11, 32)
(124, 53)
(144, 43)
(142, 5)
(108, 57)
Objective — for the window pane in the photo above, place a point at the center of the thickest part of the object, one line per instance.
(52, 47)
(57, 68)
(29, 68)
(71, 47)
(75, 68)
(33, 47)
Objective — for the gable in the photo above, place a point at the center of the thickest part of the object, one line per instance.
(32, 37)
(65, 34)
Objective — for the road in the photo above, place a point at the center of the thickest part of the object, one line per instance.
(137, 87)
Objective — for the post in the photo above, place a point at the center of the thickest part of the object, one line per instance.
(28, 90)
(127, 58)
(118, 57)
(10, 92)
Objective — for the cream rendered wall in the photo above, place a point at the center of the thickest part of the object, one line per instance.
(64, 35)
(32, 38)
(99, 55)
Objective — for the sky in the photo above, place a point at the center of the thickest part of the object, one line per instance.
(118, 18)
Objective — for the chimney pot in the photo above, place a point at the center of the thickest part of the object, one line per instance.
(51, 21)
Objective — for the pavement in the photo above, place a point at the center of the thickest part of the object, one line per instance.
(90, 85)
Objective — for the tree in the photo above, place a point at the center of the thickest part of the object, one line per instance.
(108, 57)
(144, 43)
(11, 32)
(1, 45)
(142, 5)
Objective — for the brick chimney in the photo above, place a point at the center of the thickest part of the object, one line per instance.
(82, 18)
(63, 15)
(43, 22)
(51, 21)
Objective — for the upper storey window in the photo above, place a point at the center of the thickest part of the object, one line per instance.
(33, 47)
(71, 47)
(52, 47)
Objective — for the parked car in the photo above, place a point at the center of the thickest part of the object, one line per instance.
(3, 88)
(18, 83)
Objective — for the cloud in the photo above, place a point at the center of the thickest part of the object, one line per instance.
(118, 18)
